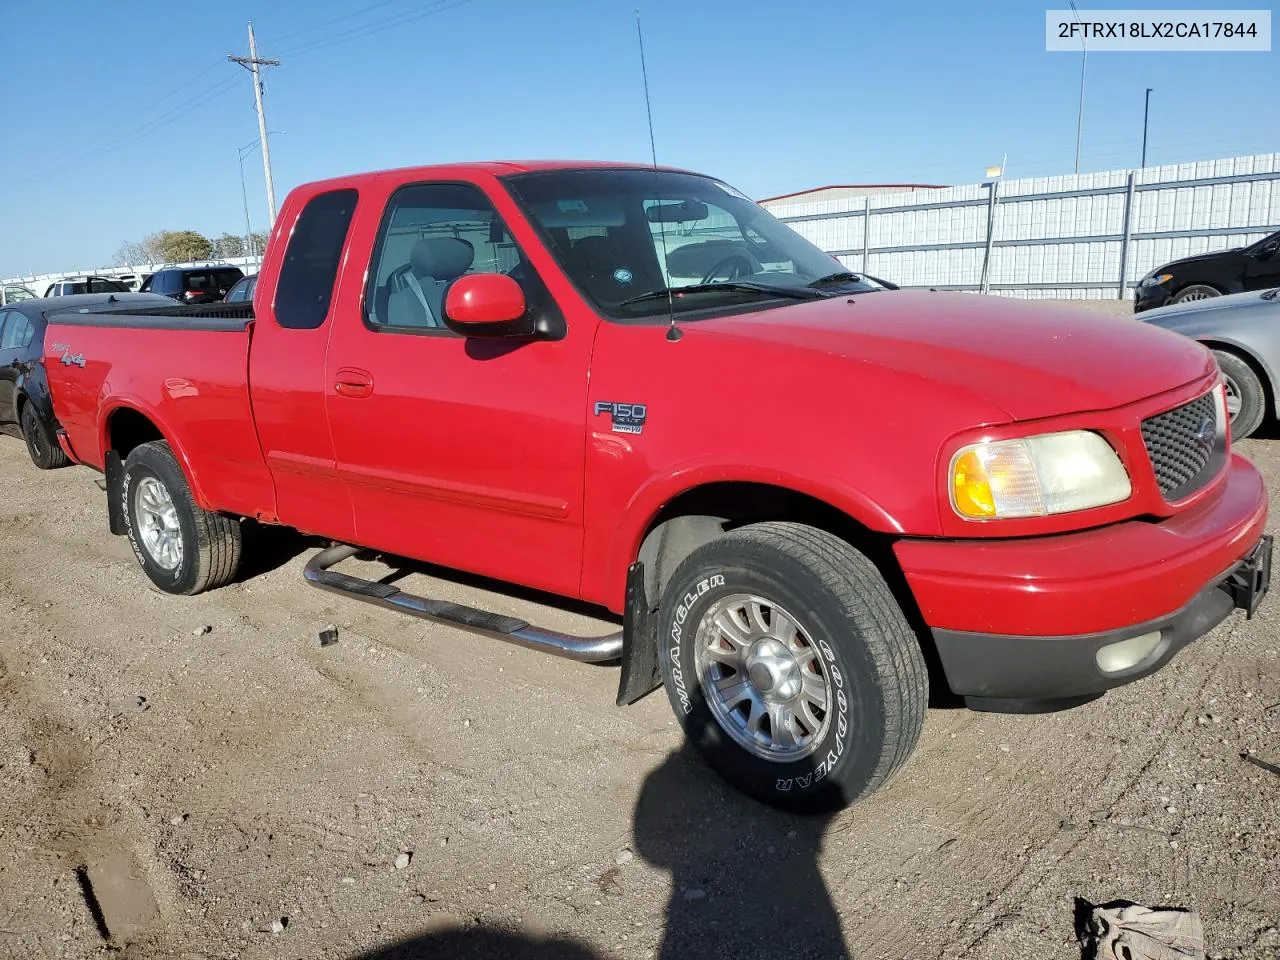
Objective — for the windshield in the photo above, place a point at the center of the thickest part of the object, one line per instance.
(626, 236)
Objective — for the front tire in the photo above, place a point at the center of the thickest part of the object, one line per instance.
(182, 548)
(791, 667)
(1197, 291)
(1246, 397)
(42, 447)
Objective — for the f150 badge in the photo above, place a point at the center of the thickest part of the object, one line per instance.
(68, 358)
(625, 417)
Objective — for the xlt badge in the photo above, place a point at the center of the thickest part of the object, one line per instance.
(626, 417)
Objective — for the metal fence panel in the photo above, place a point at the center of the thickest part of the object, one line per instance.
(1063, 236)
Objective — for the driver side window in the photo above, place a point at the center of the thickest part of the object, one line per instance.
(431, 234)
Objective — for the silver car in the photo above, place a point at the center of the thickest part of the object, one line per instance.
(1243, 331)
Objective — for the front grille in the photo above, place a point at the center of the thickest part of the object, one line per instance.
(1187, 446)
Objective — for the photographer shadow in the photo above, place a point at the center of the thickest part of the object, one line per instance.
(744, 877)
(745, 881)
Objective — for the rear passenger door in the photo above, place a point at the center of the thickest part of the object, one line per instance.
(287, 377)
(465, 453)
(16, 333)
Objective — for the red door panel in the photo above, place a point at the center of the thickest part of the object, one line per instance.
(461, 452)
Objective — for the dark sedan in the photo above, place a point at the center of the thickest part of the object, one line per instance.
(1243, 331)
(243, 290)
(25, 410)
(1239, 270)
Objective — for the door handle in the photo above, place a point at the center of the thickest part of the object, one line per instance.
(352, 382)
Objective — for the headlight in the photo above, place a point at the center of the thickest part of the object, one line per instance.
(1036, 476)
(1156, 279)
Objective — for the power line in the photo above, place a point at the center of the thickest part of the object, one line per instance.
(137, 133)
(326, 23)
(376, 26)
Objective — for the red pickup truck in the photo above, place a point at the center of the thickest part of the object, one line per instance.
(805, 495)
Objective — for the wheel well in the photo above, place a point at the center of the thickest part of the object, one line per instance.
(1268, 388)
(701, 515)
(127, 429)
(704, 513)
(1198, 283)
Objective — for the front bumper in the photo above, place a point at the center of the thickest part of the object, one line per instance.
(1017, 674)
(1023, 619)
(1148, 298)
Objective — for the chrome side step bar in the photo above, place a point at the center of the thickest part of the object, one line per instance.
(510, 629)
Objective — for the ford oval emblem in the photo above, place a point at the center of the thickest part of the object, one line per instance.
(1206, 434)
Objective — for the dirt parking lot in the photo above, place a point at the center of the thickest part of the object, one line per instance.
(201, 778)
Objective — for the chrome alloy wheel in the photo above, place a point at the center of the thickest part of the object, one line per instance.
(1234, 400)
(158, 523)
(766, 681)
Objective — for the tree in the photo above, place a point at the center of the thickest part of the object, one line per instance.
(133, 252)
(228, 245)
(180, 246)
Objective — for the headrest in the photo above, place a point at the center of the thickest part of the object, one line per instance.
(443, 258)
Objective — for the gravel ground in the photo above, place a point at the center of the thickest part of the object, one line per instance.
(224, 786)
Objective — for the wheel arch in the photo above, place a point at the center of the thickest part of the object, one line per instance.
(700, 513)
(1222, 288)
(128, 425)
(708, 510)
(1255, 362)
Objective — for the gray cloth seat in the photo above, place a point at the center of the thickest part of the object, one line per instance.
(434, 263)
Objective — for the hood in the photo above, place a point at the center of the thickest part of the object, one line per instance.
(1234, 303)
(1198, 258)
(1028, 359)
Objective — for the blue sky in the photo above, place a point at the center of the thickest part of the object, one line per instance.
(134, 116)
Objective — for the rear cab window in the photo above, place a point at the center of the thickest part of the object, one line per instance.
(311, 260)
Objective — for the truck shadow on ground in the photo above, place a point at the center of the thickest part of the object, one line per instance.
(745, 880)
(268, 547)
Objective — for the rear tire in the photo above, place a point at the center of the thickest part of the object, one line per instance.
(1244, 392)
(761, 625)
(42, 447)
(1197, 291)
(182, 548)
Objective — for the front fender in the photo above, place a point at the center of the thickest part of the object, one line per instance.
(647, 502)
(1235, 345)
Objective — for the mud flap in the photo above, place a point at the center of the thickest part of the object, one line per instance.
(113, 467)
(640, 673)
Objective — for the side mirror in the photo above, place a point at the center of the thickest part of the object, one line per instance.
(1268, 250)
(487, 305)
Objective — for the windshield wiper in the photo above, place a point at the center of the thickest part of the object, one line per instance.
(843, 276)
(1271, 294)
(730, 286)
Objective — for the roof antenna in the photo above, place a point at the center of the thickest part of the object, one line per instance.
(674, 333)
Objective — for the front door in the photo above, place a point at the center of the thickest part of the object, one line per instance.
(1262, 265)
(462, 452)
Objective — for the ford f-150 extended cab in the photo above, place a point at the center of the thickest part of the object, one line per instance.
(804, 494)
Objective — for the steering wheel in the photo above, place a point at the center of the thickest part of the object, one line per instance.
(735, 265)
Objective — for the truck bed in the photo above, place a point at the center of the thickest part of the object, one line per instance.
(185, 369)
(180, 316)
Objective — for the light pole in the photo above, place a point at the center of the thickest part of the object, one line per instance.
(1084, 63)
(244, 194)
(1146, 113)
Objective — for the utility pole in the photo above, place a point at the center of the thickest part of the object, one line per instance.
(251, 63)
(1146, 112)
(1084, 65)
